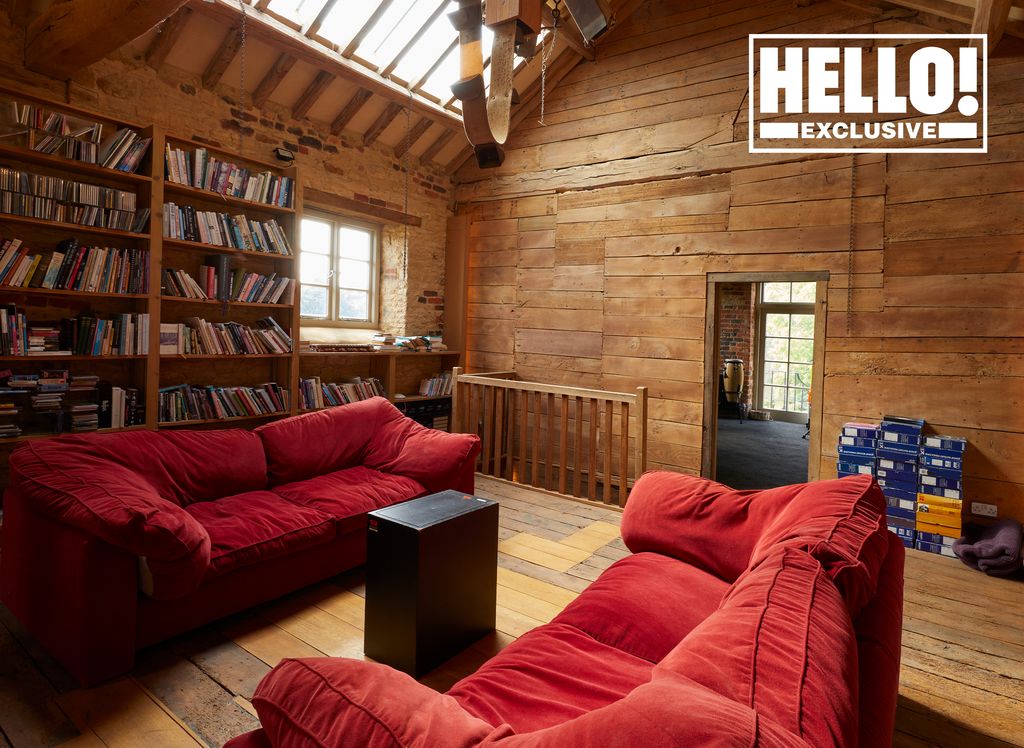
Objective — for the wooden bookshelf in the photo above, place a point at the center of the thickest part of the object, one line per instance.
(216, 248)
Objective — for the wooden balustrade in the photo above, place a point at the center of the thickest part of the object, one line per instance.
(586, 443)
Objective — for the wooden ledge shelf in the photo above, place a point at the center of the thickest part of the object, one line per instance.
(178, 141)
(407, 354)
(199, 356)
(201, 247)
(419, 398)
(33, 437)
(93, 171)
(217, 302)
(232, 419)
(73, 357)
(77, 294)
(195, 193)
(71, 227)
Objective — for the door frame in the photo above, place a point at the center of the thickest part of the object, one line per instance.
(709, 436)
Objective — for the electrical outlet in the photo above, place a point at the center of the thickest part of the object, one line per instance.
(983, 510)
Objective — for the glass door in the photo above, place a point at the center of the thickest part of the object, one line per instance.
(786, 345)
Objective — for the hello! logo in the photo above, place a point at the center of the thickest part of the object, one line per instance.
(875, 93)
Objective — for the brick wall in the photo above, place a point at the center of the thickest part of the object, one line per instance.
(124, 86)
(736, 327)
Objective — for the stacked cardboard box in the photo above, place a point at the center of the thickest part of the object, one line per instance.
(940, 494)
(899, 440)
(857, 444)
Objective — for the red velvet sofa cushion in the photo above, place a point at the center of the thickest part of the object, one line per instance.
(550, 675)
(783, 644)
(348, 494)
(669, 597)
(258, 526)
(839, 522)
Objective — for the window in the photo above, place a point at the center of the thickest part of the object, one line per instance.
(787, 346)
(338, 270)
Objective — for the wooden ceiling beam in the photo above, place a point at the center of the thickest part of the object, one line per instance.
(350, 110)
(166, 37)
(380, 125)
(415, 133)
(226, 54)
(73, 34)
(23, 11)
(990, 18)
(570, 34)
(312, 94)
(272, 79)
(434, 148)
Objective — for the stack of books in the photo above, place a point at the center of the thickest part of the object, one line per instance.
(198, 337)
(123, 335)
(316, 394)
(206, 172)
(940, 493)
(10, 412)
(203, 402)
(72, 267)
(439, 386)
(185, 223)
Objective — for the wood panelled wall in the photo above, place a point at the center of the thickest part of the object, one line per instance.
(589, 248)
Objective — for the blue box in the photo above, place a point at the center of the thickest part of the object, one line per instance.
(852, 468)
(863, 430)
(936, 472)
(895, 511)
(935, 538)
(906, 524)
(892, 425)
(907, 542)
(857, 455)
(948, 493)
(906, 504)
(897, 468)
(857, 441)
(942, 550)
(943, 462)
(945, 443)
(898, 483)
(898, 493)
(897, 452)
(939, 481)
(903, 533)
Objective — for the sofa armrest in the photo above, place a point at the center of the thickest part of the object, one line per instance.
(119, 507)
(436, 459)
(334, 701)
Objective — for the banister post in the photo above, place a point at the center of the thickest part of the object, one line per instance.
(641, 431)
(456, 410)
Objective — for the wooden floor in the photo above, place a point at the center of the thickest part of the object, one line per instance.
(963, 657)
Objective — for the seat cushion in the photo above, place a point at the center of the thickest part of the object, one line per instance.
(256, 526)
(668, 596)
(783, 644)
(346, 495)
(548, 676)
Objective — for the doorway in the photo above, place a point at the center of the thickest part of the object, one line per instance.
(764, 346)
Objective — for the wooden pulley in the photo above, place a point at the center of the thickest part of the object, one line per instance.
(487, 117)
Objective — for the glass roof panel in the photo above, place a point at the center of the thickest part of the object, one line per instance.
(345, 20)
(427, 50)
(301, 11)
(394, 30)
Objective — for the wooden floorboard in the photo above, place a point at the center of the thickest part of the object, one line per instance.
(962, 680)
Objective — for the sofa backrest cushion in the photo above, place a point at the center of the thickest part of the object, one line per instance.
(180, 466)
(783, 644)
(723, 531)
(314, 444)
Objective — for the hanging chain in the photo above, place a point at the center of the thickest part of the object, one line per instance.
(545, 55)
(853, 236)
(241, 72)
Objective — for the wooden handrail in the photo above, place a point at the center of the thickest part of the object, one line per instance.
(573, 440)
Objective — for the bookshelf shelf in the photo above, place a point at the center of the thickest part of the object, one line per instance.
(216, 302)
(75, 294)
(73, 228)
(91, 171)
(31, 437)
(419, 398)
(377, 354)
(176, 140)
(201, 247)
(211, 356)
(194, 193)
(233, 419)
(64, 357)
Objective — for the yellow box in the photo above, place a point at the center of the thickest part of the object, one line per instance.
(924, 498)
(949, 532)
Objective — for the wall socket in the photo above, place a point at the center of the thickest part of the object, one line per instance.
(983, 510)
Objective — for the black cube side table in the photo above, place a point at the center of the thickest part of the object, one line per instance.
(431, 579)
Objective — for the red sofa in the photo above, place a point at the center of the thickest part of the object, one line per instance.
(743, 618)
(112, 542)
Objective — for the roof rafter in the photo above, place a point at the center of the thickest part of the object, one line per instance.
(312, 94)
(166, 37)
(226, 53)
(380, 125)
(281, 67)
(415, 133)
(350, 110)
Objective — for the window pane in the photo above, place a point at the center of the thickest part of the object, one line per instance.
(440, 82)
(776, 349)
(799, 375)
(394, 29)
(776, 325)
(316, 236)
(313, 302)
(801, 351)
(353, 305)
(345, 20)
(315, 269)
(355, 244)
(802, 326)
(774, 398)
(427, 50)
(303, 11)
(804, 292)
(774, 373)
(798, 401)
(354, 274)
(775, 292)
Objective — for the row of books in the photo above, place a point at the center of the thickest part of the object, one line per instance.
(186, 223)
(185, 402)
(206, 172)
(122, 151)
(313, 393)
(47, 120)
(83, 215)
(122, 335)
(73, 267)
(198, 337)
(439, 386)
(67, 191)
(53, 402)
(241, 286)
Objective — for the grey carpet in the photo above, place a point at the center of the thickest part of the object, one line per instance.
(760, 454)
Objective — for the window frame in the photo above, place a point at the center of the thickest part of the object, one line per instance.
(339, 221)
(763, 309)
